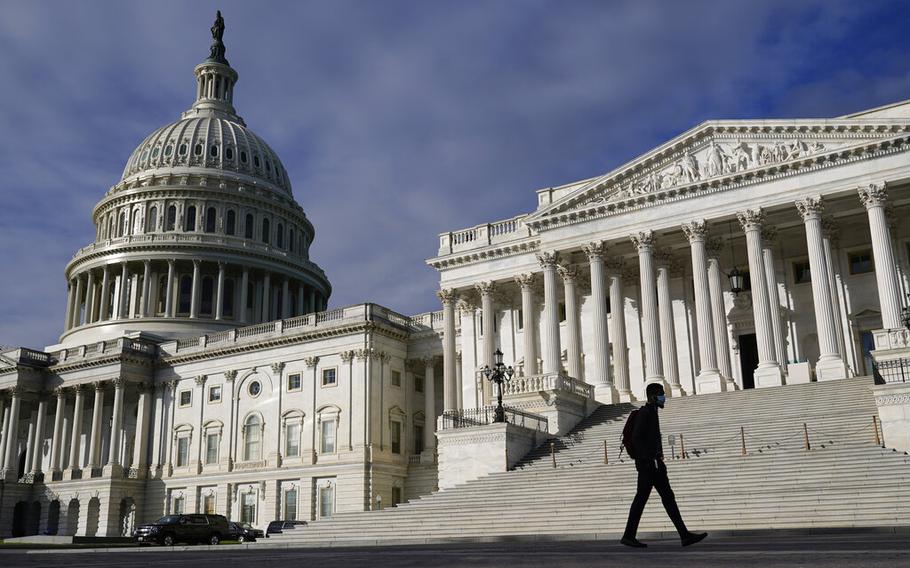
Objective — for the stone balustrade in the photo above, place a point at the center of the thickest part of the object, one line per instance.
(484, 235)
(548, 382)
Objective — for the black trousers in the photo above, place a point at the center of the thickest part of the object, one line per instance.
(653, 473)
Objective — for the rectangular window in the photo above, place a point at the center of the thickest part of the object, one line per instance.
(396, 378)
(186, 398)
(292, 433)
(326, 501)
(328, 437)
(215, 393)
(801, 272)
(418, 384)
(179, 505)
(208, 504)
(328, 377)
(861, 262)
(418, 439)
(396, 437)
(290, 505)
(248, 509)
(183, 451)
(294, 382)
(211, 449)
(396, 496)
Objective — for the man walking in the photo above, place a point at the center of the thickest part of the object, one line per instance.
(647, 450)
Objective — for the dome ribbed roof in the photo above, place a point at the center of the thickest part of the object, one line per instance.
(210, 142)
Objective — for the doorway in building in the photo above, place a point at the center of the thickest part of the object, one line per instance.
(748, 359)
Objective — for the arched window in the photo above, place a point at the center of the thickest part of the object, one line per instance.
(291, 239)
(111, 227)
(152, 220)
(252, 438)
(182, 150)
(190, 224)
(243, 156)
(213, 151)
(197, 149)
(256, 161)
(208, 292)
(227, 308)
(229, 153)
(171, 223)
(248, 226)
(230, 222)
(210, 215)
(265, 231)
(137, 222)
(279, 238)
(162, 295)
(186, 294)
(121, 226)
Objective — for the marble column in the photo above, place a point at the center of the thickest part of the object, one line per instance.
(529, 323)
(114, 460)
(598, 371)
(146, 306)
(57, 440)
(285, 299)
(76, 430)
(219, 293)
(573, 340)
(488, 317)
(4, 430)
(874, 197)
(124, 286)
(830, 237)
(768, 373)
(644, 243)
(169, 293)
(195, 289)
(266, 300)
(719, 312)
(89, 296)
(449, 385)
(459, 387)
(77, 305)
(38, 442)
(667, 325)
(830, 365)
(618, 329)
(140, 457)
(429, 409)
(552, 352)
(768, 237)
(68, 318)
(709, 379)
(244, 294)
(104, 302)
(11, 462)
(94, 448)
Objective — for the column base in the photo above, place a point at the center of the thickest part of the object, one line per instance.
(606, 394)
(730, 384)
(830, 369)
(428, 457)
(112, 470)
(626, 396)
(709, 381)
(676, 391)
(768, 376)
(9, 475)
(69, 474)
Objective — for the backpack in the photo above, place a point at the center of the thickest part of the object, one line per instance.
(626, 438)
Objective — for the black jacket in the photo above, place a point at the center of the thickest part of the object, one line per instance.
(646, 437)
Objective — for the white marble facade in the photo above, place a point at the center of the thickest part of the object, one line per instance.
(200, 370)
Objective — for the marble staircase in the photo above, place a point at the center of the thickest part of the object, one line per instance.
(844, 480)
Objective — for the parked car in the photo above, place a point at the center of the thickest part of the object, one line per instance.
(278, 527)
(171, 529)
(244, 532)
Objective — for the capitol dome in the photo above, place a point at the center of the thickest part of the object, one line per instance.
(201, 234)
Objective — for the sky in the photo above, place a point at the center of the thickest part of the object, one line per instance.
(397, 120)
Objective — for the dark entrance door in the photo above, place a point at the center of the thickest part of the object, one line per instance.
(748, 359)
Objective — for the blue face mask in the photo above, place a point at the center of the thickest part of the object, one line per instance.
(661, 400)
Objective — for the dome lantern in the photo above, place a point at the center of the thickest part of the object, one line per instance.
(215, 79)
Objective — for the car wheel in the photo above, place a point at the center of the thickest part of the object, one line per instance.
(167, 540)
(214, 540)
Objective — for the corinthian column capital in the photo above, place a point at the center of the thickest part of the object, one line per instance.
(595, 250)
(446, 296)
(751, 219)
(873, 195)
(811, 207)
(548, 259)
(567, 272)
(485, 288)
(525, 281)
(696, 230)
(643, 240)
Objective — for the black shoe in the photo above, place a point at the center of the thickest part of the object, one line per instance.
(691, 538)
(633, 542)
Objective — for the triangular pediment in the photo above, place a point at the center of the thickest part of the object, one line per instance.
(723, 153)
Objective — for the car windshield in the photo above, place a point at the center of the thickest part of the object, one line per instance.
(246, 525)
(168, 520)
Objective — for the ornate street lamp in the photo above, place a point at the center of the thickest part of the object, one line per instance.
(498, 375)
(737, 280)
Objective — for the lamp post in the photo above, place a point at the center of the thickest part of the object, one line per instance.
(498, 375)
(905, 314)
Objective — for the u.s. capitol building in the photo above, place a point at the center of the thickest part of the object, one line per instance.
(200, 368)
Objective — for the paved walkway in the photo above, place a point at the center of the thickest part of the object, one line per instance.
(829, 551)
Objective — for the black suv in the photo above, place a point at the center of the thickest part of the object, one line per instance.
(278, 527)
(171, 529)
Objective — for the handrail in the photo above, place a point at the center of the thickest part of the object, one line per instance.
(485, 415)
(891, 371)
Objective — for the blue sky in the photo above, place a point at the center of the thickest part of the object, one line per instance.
(400, 120)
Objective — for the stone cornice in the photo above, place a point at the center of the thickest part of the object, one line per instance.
(529, 244)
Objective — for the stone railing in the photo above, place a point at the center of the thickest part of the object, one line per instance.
(100, 348)
(885, 339)
(548, 382)
(337, 317)
(483, 235)
(430, 321)
(28, 357)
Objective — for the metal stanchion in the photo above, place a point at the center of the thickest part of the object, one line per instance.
(742, 437)
(682, 446)
(806, 434)
(878, 439)
(606, 456)
(553, 453)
